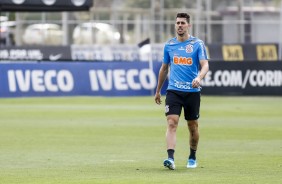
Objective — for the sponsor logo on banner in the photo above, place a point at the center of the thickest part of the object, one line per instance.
(21, 54)
(55, 57)
(121, 79)
(266, 53)
(232, 53)
(18, 1)
(49, 2)
(78, 2)
(116, 53)
(236, 78)
(36, 54)
(40, 80)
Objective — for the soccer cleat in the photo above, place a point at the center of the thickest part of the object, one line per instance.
(191, 163)
(169, 163)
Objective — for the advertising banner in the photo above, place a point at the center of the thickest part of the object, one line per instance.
(131, 79)
(117, 53)
(45, 5)
(243, 78)
(243, 52)
(77, 78)
(35, 53)
(133, 53)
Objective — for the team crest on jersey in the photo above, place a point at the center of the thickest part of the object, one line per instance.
(189, 48)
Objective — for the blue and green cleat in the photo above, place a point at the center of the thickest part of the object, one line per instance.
(169, 163)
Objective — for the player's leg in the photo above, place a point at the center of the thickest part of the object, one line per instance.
(193, 140)
(194, 133)
(173, 111)
(172, 123)
(191, 110)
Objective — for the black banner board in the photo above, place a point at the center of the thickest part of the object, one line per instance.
(243, 78)
(45, 5)
(35, 53)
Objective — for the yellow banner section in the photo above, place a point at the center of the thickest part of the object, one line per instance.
(232, 53)
(266, 53)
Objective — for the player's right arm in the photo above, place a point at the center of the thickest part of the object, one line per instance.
(162, 77)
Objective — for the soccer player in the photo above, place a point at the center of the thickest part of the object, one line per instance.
(186, 59)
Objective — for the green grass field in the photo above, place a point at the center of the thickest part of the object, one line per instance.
(121, 140)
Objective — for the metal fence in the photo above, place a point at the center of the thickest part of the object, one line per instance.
(214, 21)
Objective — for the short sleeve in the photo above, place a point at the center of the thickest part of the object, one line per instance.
(202, 53)
(166, 58)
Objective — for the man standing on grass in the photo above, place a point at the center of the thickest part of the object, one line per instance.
(186, 57)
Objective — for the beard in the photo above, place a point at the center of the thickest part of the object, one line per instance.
(180, 34)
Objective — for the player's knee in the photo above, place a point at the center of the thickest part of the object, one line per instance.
(172, 123)
(193, 124)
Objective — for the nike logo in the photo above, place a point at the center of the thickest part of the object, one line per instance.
(55, 57)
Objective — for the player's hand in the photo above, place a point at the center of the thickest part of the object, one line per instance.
(196, 82)
(158, 98)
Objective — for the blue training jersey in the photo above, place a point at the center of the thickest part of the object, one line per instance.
(184, 60)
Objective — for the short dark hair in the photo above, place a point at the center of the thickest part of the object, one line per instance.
(184, 15)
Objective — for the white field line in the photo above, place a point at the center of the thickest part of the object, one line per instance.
(122, 160)
(82, 107)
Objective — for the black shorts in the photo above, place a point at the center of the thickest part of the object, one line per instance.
(190, 101)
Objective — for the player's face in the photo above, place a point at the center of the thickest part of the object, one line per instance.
(181, 26)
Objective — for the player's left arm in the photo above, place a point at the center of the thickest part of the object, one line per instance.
(203, 59)
(204, 70)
